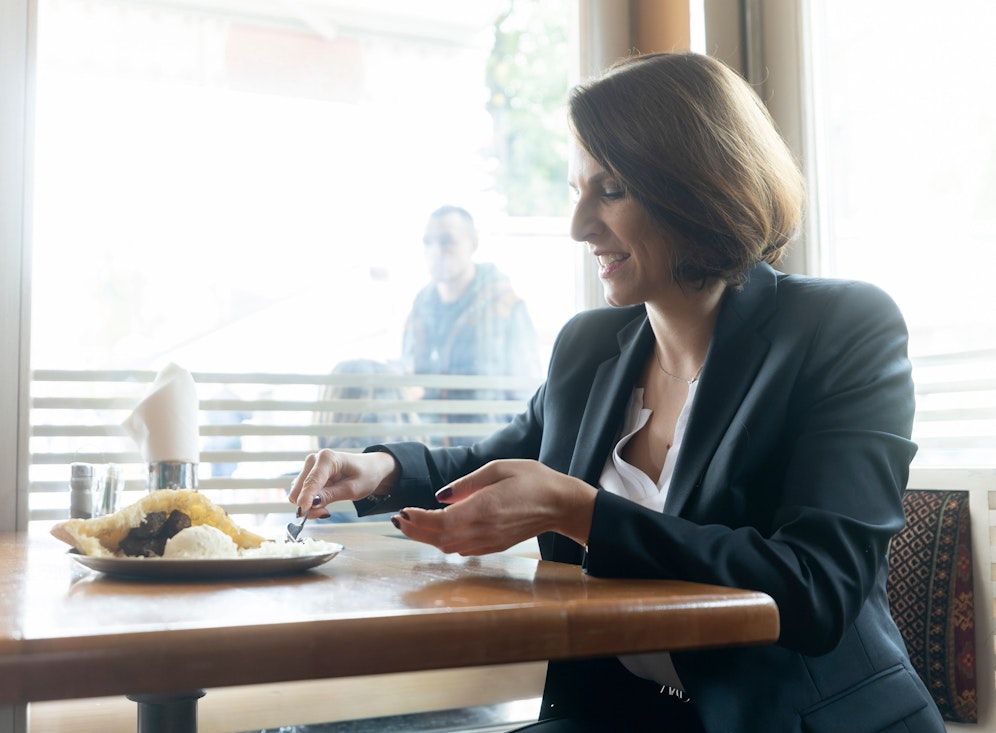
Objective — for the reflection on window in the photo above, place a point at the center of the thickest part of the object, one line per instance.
(908, 194)
(223, 186)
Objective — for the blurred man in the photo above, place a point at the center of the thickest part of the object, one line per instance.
(468, 320)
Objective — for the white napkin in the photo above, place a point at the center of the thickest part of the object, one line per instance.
(164, 424)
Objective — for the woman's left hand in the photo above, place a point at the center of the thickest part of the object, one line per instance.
(501, 504)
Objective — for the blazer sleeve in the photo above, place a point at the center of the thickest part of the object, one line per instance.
(803, 493)
(425, 470)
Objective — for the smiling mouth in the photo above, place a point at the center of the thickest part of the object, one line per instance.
(606, 260)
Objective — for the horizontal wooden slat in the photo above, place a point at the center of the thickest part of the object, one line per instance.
(138, 484)
(957, 415)
(232, 456)
(253, 508)
(956, 386)
(441, 381)
(452, 407)
(955, 358)
(351, 429)
(957, 443)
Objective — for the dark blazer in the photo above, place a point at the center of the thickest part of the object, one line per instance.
(789, 482)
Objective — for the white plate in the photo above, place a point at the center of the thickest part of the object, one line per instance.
(157, 567)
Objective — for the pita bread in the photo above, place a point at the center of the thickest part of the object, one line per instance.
(102, 536)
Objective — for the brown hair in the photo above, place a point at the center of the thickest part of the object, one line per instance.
(688, 138)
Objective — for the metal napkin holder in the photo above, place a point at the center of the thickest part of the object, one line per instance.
(172, 475)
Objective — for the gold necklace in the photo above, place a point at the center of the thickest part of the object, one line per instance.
(693, 380)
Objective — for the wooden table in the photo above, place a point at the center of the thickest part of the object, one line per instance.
(385, 604)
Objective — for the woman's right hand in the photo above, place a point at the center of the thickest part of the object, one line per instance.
(332, 476)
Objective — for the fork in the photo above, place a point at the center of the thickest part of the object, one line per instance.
(294, 530)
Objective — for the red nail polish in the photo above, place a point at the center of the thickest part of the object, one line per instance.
(316, 501)
(444, 493)
(404, 515)
(395, 522)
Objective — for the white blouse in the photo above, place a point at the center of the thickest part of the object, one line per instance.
(624, 479)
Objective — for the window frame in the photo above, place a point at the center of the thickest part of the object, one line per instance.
(17, 31)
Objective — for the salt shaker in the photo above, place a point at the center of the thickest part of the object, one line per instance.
(81, 490)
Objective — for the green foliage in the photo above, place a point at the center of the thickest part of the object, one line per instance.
(527, 75)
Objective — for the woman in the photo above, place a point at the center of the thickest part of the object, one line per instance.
(722, 423)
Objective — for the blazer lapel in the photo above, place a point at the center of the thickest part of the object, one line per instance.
(735, 355)
(607, 400)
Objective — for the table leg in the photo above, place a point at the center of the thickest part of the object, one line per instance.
(168, 712)
(14, 718)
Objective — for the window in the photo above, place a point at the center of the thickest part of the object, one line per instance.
(905, 177)
(218, 185)
(242, 187)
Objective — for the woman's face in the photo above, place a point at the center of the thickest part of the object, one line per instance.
(634, 259)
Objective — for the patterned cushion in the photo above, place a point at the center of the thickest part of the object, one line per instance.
(932, 599)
